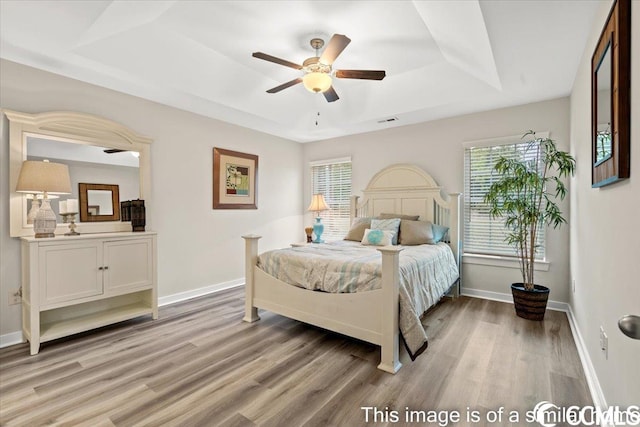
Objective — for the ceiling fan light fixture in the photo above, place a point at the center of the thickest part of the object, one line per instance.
(316, 82)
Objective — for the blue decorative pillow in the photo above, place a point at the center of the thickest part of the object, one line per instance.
(439, 231)
(377, 237)
(392, 225)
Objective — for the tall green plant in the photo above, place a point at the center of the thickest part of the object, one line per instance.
(525, 194)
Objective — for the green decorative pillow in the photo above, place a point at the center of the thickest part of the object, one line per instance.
(392, 225)
(416, 233)
(377, 237)
(356, 232)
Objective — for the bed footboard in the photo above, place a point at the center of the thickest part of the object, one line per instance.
(390, 355)
(370, 316)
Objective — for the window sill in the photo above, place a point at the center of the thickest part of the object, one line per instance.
(499, 261)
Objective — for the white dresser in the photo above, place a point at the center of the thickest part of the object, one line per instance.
(71, 284)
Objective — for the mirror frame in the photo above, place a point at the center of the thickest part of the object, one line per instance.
(79, 128)
(83, 193)
(616, 35)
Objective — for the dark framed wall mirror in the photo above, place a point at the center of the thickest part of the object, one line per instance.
(99, 202)
(611, 98)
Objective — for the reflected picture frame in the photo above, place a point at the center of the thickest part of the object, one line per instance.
(235, 179)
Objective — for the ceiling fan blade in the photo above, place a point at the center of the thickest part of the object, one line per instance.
(335, 47)
(285, 85)
(360, 74)
(330, 94)
(270, 58)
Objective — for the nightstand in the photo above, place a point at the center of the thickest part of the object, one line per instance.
(299, 245)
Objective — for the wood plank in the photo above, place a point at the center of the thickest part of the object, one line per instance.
(199, 364)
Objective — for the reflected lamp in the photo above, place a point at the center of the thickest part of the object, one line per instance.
(44, 177)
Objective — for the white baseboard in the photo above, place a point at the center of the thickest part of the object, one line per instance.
(597, 394)
(504, 297)
(181, 296)
(13, 338)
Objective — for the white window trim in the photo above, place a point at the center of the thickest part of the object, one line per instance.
(497, 260)
(330, 161)
(503, 140)
(502, 261)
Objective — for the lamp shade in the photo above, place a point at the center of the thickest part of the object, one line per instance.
(318, 204)
(43, 177)
(316, 82)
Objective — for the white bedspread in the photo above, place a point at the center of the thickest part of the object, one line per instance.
(426, 273)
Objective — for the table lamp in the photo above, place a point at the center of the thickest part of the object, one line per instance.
(318, 205)
(47, 178)
(35, 205)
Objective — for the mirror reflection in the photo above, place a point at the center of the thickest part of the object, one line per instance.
(603, 113)
(99, 202)
(88, 163)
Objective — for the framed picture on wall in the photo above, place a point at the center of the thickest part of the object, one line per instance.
(235, 180)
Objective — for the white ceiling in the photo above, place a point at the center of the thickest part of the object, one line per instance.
(442, 58)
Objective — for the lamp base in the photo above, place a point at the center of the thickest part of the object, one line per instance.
(318, 228)
(44, 224)
(43, 235)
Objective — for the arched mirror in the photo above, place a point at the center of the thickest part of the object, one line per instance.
(99, 152)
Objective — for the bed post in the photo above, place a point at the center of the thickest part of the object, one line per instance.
(390, 359)
(353, 208)
(455, 228)
(250, 261)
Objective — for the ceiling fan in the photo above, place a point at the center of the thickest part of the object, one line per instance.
(317, 69)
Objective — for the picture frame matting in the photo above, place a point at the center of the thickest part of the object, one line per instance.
(235, 179)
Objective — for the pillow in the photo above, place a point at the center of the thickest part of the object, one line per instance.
(377, 237)
(356, 232)
(439, 231)
(416, 233)
(391, 215)
(387, 224)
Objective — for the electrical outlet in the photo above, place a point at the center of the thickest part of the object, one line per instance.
(604, 343)
(15, 297)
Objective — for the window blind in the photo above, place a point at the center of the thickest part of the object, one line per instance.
(483, 234)
(332, 178)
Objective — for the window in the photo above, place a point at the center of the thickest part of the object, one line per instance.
(332, 178)
(484, 235)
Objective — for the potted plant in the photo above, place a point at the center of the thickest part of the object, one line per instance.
(525, 196)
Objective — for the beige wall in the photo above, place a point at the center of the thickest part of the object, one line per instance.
(197, 246)
(605, 235)
(437, 148)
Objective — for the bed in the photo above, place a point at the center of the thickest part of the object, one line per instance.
(372, 315)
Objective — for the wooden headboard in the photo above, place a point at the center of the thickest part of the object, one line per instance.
(407, 189)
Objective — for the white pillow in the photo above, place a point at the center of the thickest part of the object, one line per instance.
(377, 237)
(392, 224)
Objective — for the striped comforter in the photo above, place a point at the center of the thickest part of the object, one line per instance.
(426, 273)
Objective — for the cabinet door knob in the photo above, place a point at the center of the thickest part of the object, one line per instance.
(100, 268)
(106, 267)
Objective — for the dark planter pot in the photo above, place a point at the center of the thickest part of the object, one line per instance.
(530, 305)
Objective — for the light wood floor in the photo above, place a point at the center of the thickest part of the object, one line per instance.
(199, 364)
